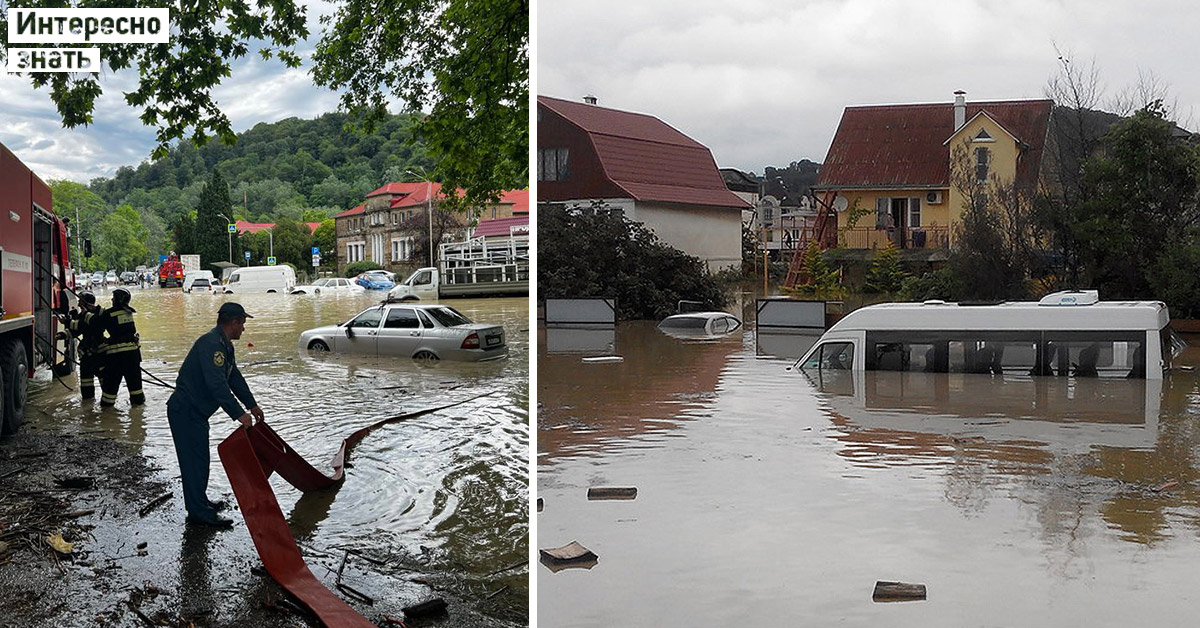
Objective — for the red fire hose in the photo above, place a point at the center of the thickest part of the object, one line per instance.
(250, 456)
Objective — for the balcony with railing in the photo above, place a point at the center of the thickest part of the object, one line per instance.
(905, 238)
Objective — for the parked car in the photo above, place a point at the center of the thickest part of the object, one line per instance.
(423, 332)
(376, 280)
(191, 276)
(97, 279)
(111, 278)
(204, 284)
(329, 285)
(129, 278)
(699, 325)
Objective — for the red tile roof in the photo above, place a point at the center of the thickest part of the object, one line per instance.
(648, 158)
(244, 226)
(501, 226)
(356, 210)
(519, 200)
(905, 145)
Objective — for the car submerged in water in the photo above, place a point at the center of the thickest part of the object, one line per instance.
(423, 332)
(694, 325)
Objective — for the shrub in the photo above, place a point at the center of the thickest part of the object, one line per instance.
(357, 268)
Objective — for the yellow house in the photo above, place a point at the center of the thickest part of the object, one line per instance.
(904, 173)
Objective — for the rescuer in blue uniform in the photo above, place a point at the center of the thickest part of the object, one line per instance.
(90, 338)
(122, 352)
(208, 379)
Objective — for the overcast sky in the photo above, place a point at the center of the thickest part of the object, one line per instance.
(764, 83)
(258, 91)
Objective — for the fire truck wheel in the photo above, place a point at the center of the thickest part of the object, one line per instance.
(14, 370)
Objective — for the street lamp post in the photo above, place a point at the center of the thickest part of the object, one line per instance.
(428, 206)
(229, 234)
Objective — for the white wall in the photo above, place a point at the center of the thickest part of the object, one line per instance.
(714, 234)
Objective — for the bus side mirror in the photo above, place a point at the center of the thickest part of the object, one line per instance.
(87, 248)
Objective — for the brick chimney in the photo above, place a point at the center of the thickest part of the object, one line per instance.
(960, 109)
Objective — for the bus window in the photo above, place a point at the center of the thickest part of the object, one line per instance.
(832, 356)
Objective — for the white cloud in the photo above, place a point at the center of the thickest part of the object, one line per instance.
(766, 83)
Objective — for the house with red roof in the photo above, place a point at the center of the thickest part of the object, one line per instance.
(905, 173)
(380, 228)
(245, 226)
(640, 166)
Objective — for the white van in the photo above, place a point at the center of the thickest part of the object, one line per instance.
(190, 277)
(280, 279)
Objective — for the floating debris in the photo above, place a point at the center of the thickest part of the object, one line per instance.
(612, 492)
(540, 504)
(428, 608)
(56, 543)
(570, 555)
(1165, 486)
(604, 359)
(898, 592)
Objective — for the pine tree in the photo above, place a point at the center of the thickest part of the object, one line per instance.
(211, 235)
(885, 274)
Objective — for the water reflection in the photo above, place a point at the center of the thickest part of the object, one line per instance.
(1029, 501)
(585, 404)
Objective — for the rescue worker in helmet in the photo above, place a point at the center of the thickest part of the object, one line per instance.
(91, 336)
(122, 352)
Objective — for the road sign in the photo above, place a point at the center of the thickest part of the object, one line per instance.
(316, 261)
(271, 261)
(247, 256)
(231, 227)
(316, 251)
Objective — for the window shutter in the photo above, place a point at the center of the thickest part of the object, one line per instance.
(881, 212)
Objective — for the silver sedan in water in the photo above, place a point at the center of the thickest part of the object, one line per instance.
(423, 332)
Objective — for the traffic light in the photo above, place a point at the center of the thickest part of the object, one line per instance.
(87, 248)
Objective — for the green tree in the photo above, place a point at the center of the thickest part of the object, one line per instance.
(210, 233)
(121, 239)
(591, 252)
(85, 210)
(293, 244)
(885, 275)
(176, 79)
(1143, 196)
(466, 62)
(325, 238)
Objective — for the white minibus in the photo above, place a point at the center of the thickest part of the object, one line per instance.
(1065, 334)
(280, 279)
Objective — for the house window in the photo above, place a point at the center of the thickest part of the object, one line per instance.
(914, 212)
(981, 165)
(401, 249)
(552, 164)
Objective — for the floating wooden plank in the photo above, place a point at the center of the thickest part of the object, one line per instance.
(1165, 486)
(572, 552)
(604, 359)
(898, 592)
(612, 492)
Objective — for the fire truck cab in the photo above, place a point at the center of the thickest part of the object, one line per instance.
(34, 268)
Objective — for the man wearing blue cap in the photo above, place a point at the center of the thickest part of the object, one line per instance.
(208, 379)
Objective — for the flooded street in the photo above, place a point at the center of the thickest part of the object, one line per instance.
(768, 497)
(439, 501)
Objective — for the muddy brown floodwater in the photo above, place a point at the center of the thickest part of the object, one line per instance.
(767, 497)
(434, 507)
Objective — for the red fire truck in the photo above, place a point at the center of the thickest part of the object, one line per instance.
(170, 272)
(34, 268)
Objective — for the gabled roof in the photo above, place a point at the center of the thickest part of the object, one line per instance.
(646, 157)
(408, 195)
(519, 200)
(354, 211)
(904, 145)
(500, 226)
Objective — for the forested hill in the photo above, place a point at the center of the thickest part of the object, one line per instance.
(281, 170)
